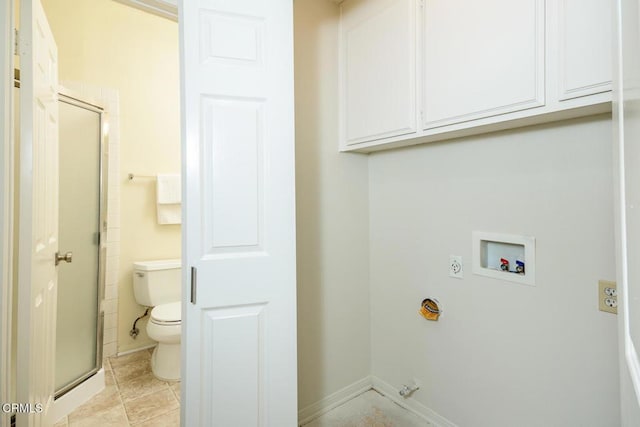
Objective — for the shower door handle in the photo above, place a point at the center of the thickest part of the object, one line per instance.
(68, 257)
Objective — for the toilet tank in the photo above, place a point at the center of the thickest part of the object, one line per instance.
(157, 282)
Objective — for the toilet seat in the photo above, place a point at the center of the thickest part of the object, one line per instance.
(167, 314)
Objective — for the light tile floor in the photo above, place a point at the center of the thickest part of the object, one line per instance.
(132, 397)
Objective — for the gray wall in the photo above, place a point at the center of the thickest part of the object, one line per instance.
(332, 219)
(503, 354)
(374, 238)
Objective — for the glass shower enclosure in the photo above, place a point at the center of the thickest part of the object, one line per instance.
(82, 217)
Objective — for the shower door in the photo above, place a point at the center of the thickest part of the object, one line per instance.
(80, 280)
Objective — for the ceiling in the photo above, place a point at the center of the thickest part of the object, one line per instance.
(165, 8)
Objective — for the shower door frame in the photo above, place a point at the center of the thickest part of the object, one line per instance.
(68, 97)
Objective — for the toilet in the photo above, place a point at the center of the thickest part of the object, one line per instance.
(157, 284)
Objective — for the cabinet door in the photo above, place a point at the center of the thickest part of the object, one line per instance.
(584, 54)
(378, 63)
(481, 59)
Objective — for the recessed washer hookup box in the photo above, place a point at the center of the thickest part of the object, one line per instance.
(505, 257)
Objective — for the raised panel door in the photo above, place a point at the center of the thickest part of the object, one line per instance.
(38, 228)
(239, 322)
(584, 47)
(378, 69)
(481, 59)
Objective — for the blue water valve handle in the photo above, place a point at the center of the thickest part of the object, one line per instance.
(519, 266)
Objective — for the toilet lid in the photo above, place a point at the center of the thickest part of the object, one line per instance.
(167, 313)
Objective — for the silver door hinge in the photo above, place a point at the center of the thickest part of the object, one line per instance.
(422, 3)
(194, 281)
(16, 42)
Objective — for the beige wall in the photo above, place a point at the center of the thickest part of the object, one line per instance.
(104, 43)
(332, 219)
(502, 354)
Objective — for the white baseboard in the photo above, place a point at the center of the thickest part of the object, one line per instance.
(410, 404)
(334, 400)
(135, 350)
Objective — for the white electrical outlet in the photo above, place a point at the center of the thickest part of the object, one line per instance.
(607, 296)
(455, 267)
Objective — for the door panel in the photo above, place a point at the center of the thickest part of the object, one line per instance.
(38, 230)
(471, 70)
(584, 50)
(232, 181)
(243, 404)
(239, 340)
(378, 69)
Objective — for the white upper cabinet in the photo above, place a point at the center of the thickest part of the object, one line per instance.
(584, 47)
(415, 71)
(481, 58)
(378, 69)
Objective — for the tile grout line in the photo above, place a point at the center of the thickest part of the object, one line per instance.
(117, 385)
(134, 369)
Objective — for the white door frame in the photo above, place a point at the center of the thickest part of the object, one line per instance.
(625, 124)
(6, 200)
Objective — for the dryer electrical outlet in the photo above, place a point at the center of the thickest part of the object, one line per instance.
(455, 267)
(607, 296)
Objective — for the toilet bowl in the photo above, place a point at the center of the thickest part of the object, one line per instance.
(157, 284)
(165, 326)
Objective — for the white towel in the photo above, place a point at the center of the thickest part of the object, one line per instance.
(170, 213)
(168, 188)
(169, 199)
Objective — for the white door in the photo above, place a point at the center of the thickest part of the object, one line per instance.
(38, 228)
(239, 317)
(627, 126)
